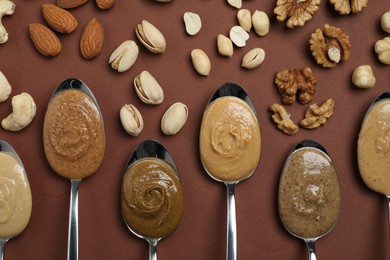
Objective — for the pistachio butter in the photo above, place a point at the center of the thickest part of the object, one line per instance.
(229, 139)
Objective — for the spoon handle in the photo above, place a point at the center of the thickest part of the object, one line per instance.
(311, 249)
(73, 229)
(152, 249)
(231, 223)
(2, 245)
(388, 207)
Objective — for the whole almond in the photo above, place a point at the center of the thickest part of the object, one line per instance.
(68, 4)
(59, 19)
(105, 4)
(44, 40)
(91, 40)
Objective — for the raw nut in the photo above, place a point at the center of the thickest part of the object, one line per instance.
(201, 62)
(315, 115)
(345, 7)
(298, 12)
(68, 4)
(44, 40)
(174, 118)
(244, 19)
(385, 22)
(131, 119)
(225, 45)
(124, 56)
(253, 58)
(23, 112)
(260, 23)
(7, 7)
(148, 89)
(150, 37)
(192, 22)
(5, 88)
(282, 119)
(238, 36)
(91, 40)
(235, 3)
(382, 48)
(105, 4)
(363, 77)
(59, 19)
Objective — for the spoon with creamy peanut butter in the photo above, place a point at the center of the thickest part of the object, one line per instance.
(230, 145)
(15, 192)
(309, 194)
(74, 142)
(151, 194)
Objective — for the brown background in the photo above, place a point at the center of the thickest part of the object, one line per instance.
(362, 231)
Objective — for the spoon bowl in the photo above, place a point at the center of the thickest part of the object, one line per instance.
(309, 194)
(149, 149)
(234, 136)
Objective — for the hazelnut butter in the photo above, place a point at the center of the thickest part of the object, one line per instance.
(152, 200)
(229, 139)
(309, 194)
(373, 148)
(73, 134)
(15, 197)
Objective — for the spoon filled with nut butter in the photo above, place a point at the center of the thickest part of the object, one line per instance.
(309, 194)
(151, 194)
(74, 142)
(230, 145)
(16, 199)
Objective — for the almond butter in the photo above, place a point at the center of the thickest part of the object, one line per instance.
(68, 4)
(105, 4)
(59, 19)
(44, 40)
(91, 40)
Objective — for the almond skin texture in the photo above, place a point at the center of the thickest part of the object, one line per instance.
(105, 4)
(44, 40)
(68, 4)
(59, 19)
(91, 40)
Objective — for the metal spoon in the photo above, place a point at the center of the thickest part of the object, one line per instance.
(6, 147)
(148, 149)
(231, 89)
(310, 241)
(73, 243)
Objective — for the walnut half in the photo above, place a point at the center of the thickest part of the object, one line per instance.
(316, 116)
(282, 119)
(330, 45)
(347, 6)
(297, 11)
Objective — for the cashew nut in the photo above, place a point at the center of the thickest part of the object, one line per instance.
(23, 112)
(7, 7)
(5, 88)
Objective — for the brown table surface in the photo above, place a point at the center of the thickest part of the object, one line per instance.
(362, 231)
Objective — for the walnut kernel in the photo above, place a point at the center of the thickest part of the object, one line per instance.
(297, 11)
(316, 116)
(329, 46)
(282, 119)
(346, 6)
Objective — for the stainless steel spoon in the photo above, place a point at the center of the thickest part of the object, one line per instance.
(310, 241)
(150, 149)
(6, 147)
(73, 243)
(231, 89)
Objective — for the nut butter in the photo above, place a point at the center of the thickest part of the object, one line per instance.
(73, 134)
(230, 139)
(151, 201)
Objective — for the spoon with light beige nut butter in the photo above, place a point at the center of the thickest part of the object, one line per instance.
(15, 193)
(230, 145)
(74, 142)
(309, 194)
(373, 150)
(151, 194)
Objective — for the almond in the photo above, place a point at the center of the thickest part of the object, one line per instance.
(68, 4)
(44, 40)
(105, 4)
(59, 19)
(91, 40)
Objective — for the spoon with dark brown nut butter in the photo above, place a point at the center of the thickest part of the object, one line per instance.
(74, 142)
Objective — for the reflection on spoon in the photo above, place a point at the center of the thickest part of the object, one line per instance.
(309, 194)
(374, 147)
(15, 193)
(151, 194)
(74, 142)
(230, 144)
